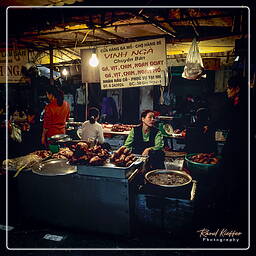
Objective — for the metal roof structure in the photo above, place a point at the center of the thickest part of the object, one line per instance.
(66, 29)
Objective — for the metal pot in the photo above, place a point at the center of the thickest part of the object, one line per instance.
(182, 191)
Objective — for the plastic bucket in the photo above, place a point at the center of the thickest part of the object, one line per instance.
(199, 170)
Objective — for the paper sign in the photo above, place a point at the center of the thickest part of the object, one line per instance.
(16, 59)
(135, 64)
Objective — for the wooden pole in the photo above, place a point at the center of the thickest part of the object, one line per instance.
(86, 100)
(51, 66)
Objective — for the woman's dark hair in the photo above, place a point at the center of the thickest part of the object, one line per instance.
(145, 112)
(242, 83)
(92, 114)
(57, 93)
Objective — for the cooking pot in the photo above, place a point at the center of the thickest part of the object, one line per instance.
(181, 190)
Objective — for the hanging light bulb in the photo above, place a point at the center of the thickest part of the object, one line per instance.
(94, 60)
(64, 72)
(237, 58)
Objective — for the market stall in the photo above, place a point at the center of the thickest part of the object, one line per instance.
(75, 188)
(124, 62)
(114, 134)
(79, 201)
(68, 190)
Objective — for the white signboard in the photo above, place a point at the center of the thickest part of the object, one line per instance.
(132, 64)
(16, 59)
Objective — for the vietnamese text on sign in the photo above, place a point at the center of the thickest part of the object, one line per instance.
(132, 64)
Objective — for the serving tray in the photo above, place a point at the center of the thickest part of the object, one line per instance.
(54, 167)
(110, 170)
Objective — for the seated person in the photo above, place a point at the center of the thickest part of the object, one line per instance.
(147, 140)
(199, 137)
(91, 129)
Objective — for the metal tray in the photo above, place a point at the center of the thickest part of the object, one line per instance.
(110, 170)
(54, 167)
(59, 136)
(66, 139)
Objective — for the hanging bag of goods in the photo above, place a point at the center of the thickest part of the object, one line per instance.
(194, 68)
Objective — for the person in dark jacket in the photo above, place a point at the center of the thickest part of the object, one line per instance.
(147, 140)
(234, 165)
(200, 137)
(109, 110)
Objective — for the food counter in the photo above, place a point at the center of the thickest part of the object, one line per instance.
(113, 129)
(98, 196)
(115, 134)
(109, 131)
(115, 138)
(107, 196)
(79, 201)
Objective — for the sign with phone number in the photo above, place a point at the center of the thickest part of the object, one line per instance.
(135, 64)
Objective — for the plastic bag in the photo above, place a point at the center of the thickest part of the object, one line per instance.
(16, 133)
(194, 68)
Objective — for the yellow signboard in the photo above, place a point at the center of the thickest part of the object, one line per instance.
(135, 64)
(16, 59)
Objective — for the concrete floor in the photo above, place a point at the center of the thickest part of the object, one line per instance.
(30, 234)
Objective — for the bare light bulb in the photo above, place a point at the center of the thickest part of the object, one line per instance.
(64, 72)
(94, 60)
(237, 58)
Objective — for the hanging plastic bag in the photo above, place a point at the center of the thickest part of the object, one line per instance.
(194, 68)
(163, 86)
(16, 133)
